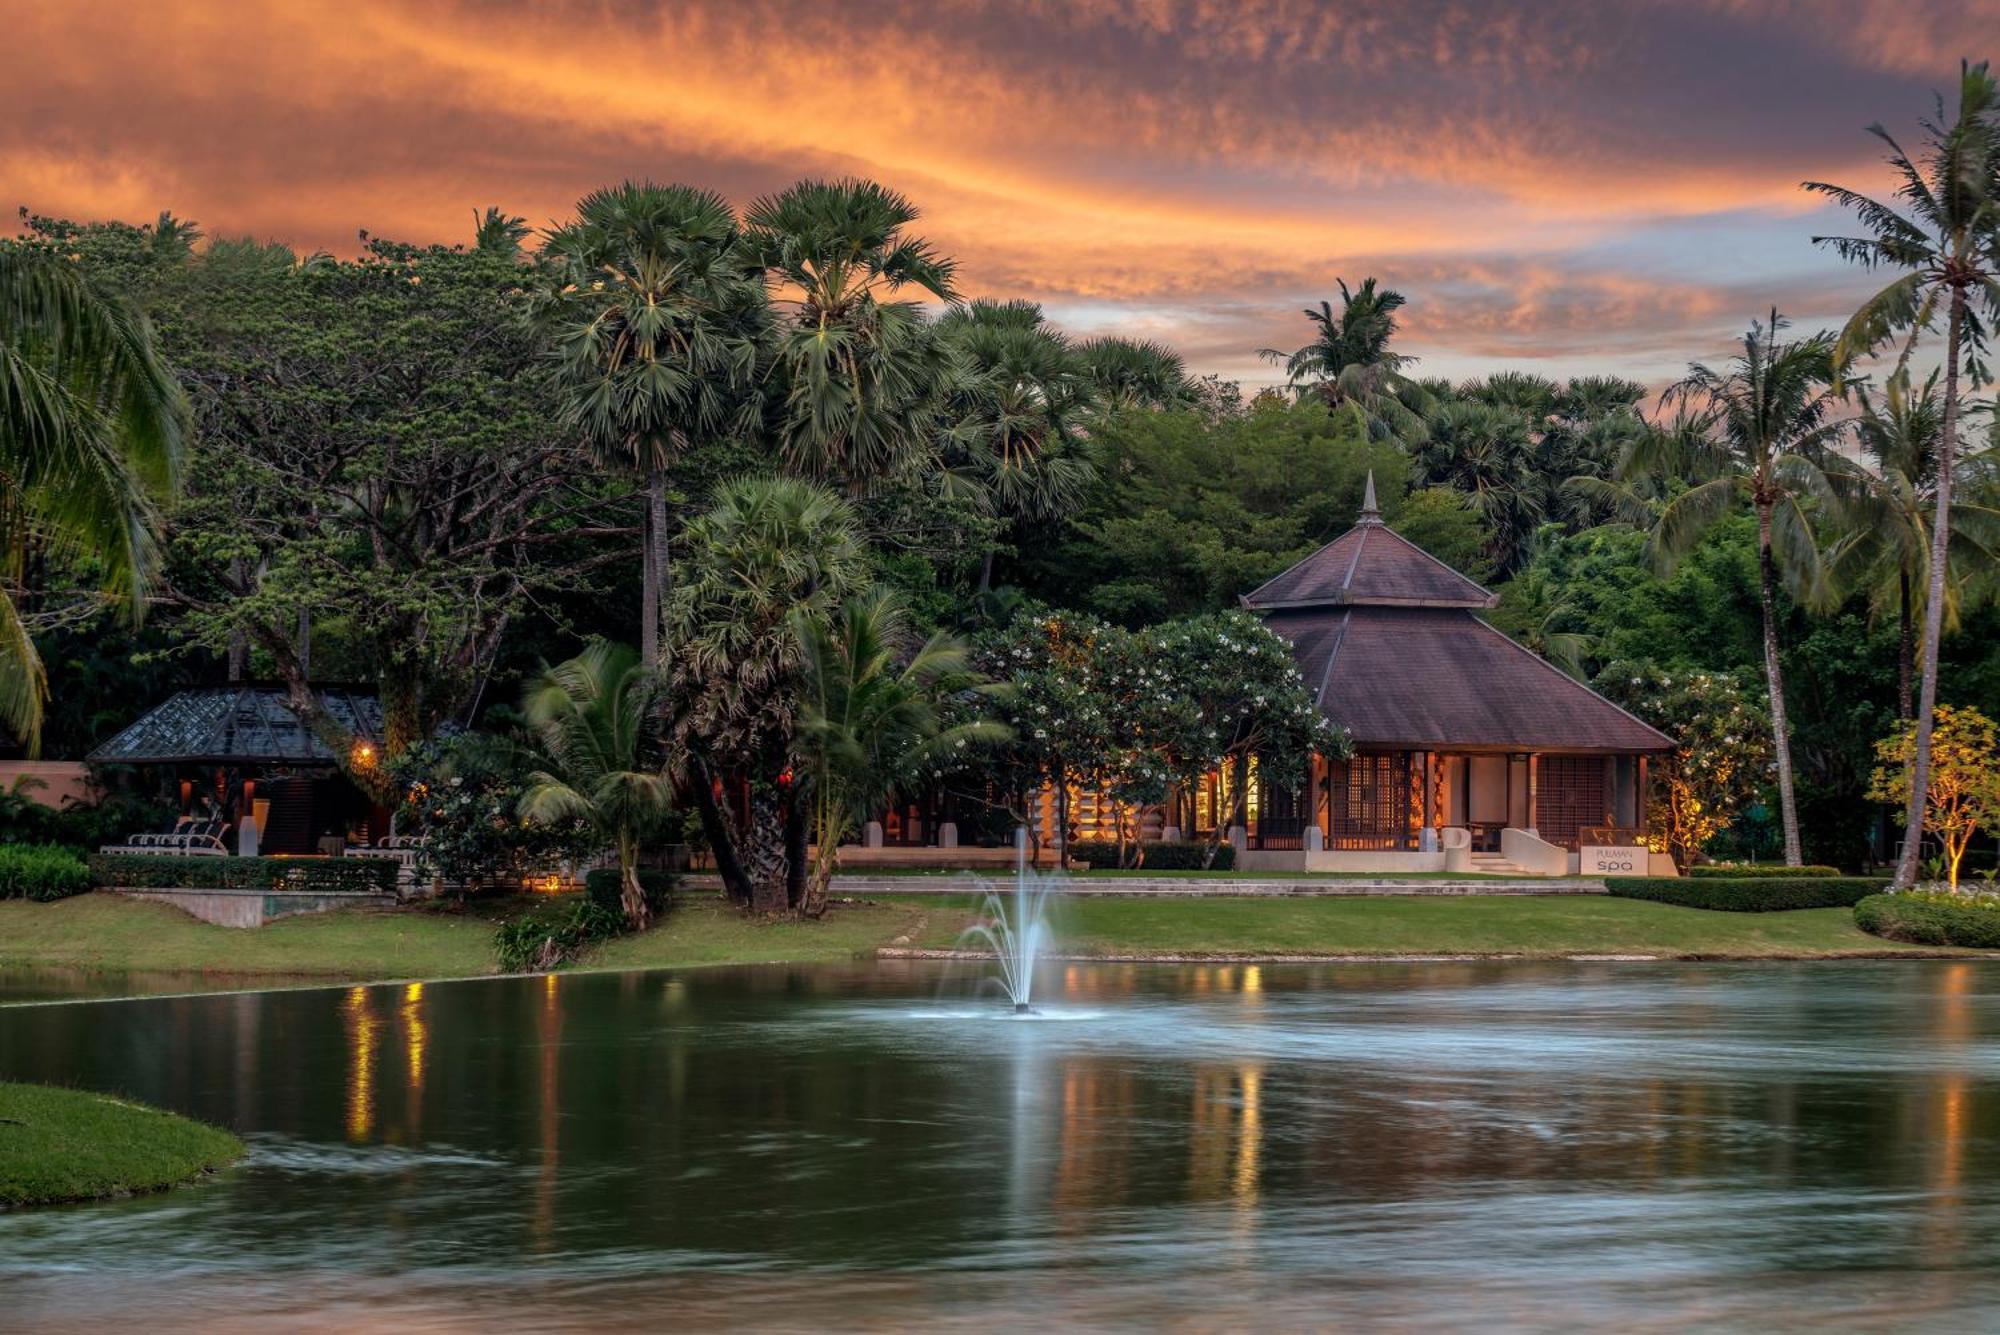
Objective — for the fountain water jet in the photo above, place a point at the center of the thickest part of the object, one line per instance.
(1016, 928)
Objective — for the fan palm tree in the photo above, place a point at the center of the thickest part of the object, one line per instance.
(92, 428)
(497, 233)
(1945, 246)
(869, 718)
(1755, 436)
(1888, 506)
(1487, 453)
(857, 370)
(661, 322)
(1349, 364)
(769, 551)
(593, 720)
(1016, 397)
(1132, 373)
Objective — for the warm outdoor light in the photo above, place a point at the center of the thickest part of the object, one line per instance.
(364, 754)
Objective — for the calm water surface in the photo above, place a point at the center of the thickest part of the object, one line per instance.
(1501, 1145)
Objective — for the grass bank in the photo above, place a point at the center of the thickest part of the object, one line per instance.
(69, 1145)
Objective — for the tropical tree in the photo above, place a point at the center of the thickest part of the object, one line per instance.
(497, 233)
(855, 371)
(1721, 750)
(1017, 394)
(1943, 242)
(769, 554)
(1961, 795)
(1754, 436)
(593, 718)
(1487, 452)
(1130, 373)
(92, 428)
(869, 718)
(1348, 363)
(1888, 504)
(660, 319)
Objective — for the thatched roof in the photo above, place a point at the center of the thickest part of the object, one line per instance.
(237, 725)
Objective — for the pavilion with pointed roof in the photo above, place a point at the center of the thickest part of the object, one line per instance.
(1462, 738)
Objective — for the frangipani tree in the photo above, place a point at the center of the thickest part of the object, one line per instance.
(1722, 748)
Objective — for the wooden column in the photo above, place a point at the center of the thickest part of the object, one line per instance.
(1639, 798)
(1430, 793)
(1534, 779)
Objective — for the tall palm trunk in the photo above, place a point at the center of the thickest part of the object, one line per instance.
(1774, 677)
(1906, 651)
(1920, 762)
(653, 570)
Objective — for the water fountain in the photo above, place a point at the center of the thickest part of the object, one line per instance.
(1015, 927)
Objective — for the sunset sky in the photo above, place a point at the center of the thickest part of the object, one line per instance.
(1562, 187)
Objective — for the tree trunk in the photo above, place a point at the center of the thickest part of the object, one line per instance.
(796, 888)
(1774, 677)
(654, 649)
(1906, 651)
(715, 827)
(764, 860)
(402, 712)
(1920, 762)
(632, 895)
(986, 572)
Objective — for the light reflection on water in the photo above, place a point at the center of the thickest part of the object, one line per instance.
(1518, 1144)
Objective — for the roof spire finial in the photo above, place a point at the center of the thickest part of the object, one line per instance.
(1369, 514)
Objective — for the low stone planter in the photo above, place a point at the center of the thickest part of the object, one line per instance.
(254, 908)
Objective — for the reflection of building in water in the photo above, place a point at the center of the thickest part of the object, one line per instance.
(360, 1023)
(1226, 1134)
(416, 1036)
(1950, 1123)
(549, 1032)
(1098, 1103)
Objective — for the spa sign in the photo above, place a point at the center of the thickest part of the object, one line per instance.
(1612, 860)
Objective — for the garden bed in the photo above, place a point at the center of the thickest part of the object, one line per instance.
(1932, 918)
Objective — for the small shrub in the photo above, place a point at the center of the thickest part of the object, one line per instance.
(1747, 894)
(1927, 918)
(1102, 855)
(41, 872)
(551, 935)
(606, 891)
(1746, 870)
(143, 871)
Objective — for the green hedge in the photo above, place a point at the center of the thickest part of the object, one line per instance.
(1929, 919)
(1755, 869)
(1747, 894)
(550, 935)
(603, 889)
(42, 872)
(1102, 855)
(143, 871)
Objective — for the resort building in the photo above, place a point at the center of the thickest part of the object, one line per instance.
(1470, 752)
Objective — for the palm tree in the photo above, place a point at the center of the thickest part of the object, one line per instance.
(1487, 453)
(1132, 373)
(869, 718)
(768, 552)
(661, 325)
(1015, 398)
(497, 233)
(1754, 436)
(1945, 245)
(856, 370)
(1888, 508)
(1348, 363)
(92, 428)
(593, 718)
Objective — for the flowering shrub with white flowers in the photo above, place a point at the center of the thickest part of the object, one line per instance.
(1721, 760)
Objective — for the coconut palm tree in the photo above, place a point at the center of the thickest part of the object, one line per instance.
(661, 321)
(1349, 364)
(869, 718)
(497, 233)
(1888, 504)
(1755, 436)
(769, 552)
(593, 720)
(92, 428)
(855, 369)
(1015, 400)
(1943, 242)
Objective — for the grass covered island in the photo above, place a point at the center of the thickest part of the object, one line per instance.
(60, 1145)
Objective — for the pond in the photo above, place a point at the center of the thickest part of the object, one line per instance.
(1527, 1145)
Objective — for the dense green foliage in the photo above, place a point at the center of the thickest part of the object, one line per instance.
(41, 872)
(1747, 894)
(1153, 855)
(140, 871)
(1750, 870)
(1927, 918)
(552, 934)
(605, 887)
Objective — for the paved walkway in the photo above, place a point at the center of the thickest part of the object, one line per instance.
(1189, 887)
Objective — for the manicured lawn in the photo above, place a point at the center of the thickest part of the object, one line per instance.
(103, 931)
(705, 930)
(1555, 925)
(69, 1145)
